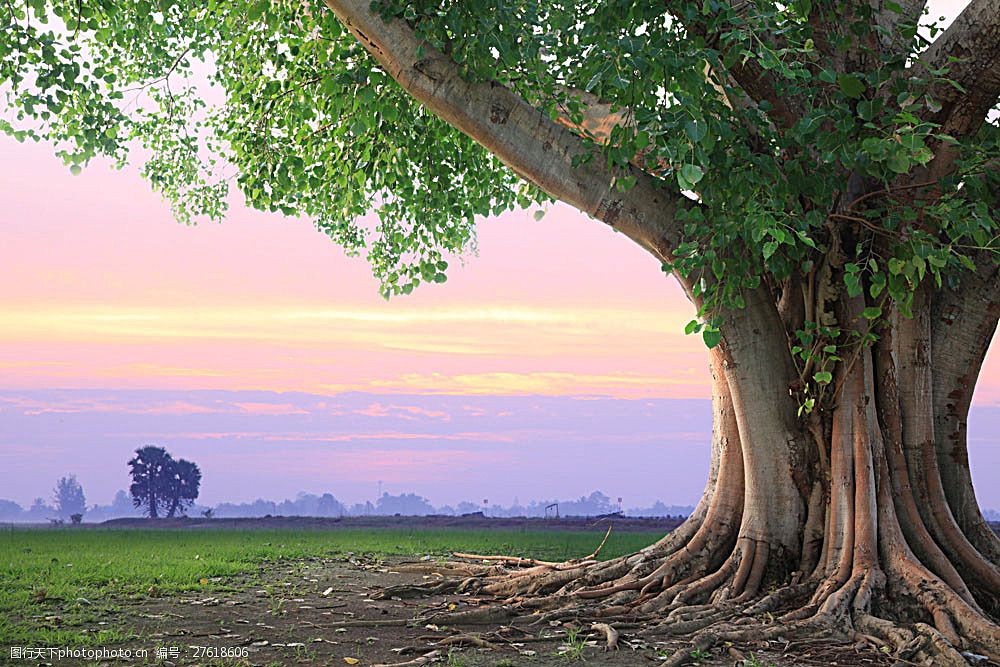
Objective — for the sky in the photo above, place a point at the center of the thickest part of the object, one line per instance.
(552, 363)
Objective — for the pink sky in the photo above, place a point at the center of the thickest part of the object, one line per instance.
(102, 288)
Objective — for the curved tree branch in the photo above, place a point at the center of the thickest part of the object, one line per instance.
(540, 150)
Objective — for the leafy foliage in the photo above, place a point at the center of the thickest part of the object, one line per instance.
(277, 99)
(161, 485)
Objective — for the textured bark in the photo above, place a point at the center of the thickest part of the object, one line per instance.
(963, 323)
(858, 521)
(970, 50)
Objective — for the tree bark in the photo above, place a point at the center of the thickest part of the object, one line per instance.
(964, 321)
(856, 520)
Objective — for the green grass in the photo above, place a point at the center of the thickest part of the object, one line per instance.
(54, 582)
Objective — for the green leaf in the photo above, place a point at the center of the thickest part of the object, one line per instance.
(899, 162)
(256, 10)
(868, 109)
(692, 327)
(853, 284)
(823, 377)
(695, 130)
(871, 313)
(712, 337)
(851, 85)
(769, 249)
(689, 176)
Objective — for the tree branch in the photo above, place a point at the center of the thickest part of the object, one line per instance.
(538, 149)
(970, 50)
(756, 82)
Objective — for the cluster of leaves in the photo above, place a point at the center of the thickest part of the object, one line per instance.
(275, 96)
(767, 192)
(278, 97)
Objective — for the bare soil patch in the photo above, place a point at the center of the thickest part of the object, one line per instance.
(327, 612)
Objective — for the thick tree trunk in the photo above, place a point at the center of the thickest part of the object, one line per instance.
(842, 516)
(963, 324)
(856, 519)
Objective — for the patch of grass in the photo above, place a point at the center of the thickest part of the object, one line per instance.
(575, 645)
(455, 659)
(699, 655)
(57, 586)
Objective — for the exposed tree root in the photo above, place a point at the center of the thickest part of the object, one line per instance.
(702, 606)
(829, 537)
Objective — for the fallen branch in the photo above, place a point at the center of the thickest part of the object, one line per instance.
(507, 560)
(466, 640)
(422, 660)
(389, 622)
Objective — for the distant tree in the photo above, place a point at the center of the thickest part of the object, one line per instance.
(122, 504)
(69, 498)
(406, 504)
(161, 485)
(328, 505)
(151, 468)
(184, 481)
(10, 510)
(39, 510)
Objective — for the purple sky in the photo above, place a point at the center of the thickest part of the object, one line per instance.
(447, 448)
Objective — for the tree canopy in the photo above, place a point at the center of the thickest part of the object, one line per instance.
(755, 110)
(162, 485)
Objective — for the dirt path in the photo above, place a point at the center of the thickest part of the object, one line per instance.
(325, 612)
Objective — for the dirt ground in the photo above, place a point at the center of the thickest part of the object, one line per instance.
(327, 612)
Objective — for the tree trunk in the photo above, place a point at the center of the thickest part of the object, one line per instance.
(837, 504)
(152, 503)
(843, 515)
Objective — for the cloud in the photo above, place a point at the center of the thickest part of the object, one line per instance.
(411, 412)
(270, 408)
(685, 381)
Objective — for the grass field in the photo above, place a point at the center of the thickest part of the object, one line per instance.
(55, 582)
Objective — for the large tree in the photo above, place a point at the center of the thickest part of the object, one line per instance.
(152, 475)
(820, 175)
